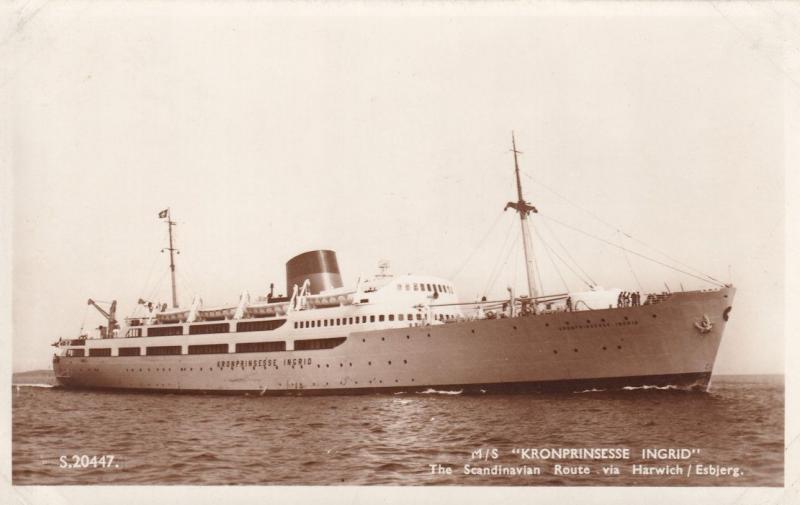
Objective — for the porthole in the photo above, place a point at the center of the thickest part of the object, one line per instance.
(341, 365)
(405, 362)
(363, 339)
(390, 362)
(575, 350)
(626, 318)
(514, 327)
(619, 347)
(604, 348)
(547, 324)
(473, 331)
(383, 338)
(555, 352)
(654, 316)
(588, 321)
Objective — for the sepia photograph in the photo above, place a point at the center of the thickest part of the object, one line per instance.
(439, 251)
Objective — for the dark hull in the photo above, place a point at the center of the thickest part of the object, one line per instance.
(686, 382)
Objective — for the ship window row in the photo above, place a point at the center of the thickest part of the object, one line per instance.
(204, 329)
(425, 286)
(346, 321)
(170, 350)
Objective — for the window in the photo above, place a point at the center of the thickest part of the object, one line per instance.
(371, 319)
(75, 353)
(351, 320)
(416, 287)
(259, 325)
(419, 317)
(411, 317)
(391, 317)
(401, 317)
(313, 324)
(381, 318)
(261, 347)
(164, 331)
(135, 332)
(163, 350)
(130, 351)
(209, 349)
(318, 343)
(429, 287)
(205, 329)
(408, 287)
(100, 352)
(325, 322)
(338, 322)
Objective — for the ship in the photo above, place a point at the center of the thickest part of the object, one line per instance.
(403, 334)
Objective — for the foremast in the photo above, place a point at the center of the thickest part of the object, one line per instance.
(524, 208)
(170, 223)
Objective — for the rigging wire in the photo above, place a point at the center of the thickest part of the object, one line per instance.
(149, 275)
(566, 264)
(538, 274)
(499, 270)
(615, 228)
(634, 252)
(157, 286)
(591, 282)
(628, 260)
(552, 261)
(475, 249)
(500, 256)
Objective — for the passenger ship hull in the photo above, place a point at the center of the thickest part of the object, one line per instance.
(669, 343)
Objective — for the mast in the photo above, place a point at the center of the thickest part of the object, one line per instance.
(172, 250)
(523, 208)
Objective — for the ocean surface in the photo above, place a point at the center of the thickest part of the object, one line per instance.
(403, 439)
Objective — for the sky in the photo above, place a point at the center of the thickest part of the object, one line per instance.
(269, 130)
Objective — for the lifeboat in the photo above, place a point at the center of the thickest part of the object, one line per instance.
(329, 299)
(172, 316)
(216, 313)
(266, 309)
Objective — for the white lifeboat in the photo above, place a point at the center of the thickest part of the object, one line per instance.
(330, 299)
(266, 309)
(216, 313)
(172, 316)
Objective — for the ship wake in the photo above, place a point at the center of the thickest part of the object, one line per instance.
(431, 391)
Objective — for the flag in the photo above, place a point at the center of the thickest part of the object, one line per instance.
(163, 213)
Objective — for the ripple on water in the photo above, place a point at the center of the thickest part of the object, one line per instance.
(381, 439)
